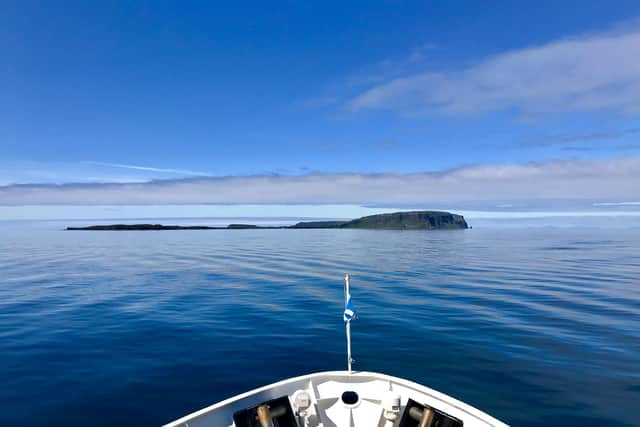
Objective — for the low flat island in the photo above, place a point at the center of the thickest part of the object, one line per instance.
(414, 220)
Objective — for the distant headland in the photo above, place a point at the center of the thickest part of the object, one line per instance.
(414, 220)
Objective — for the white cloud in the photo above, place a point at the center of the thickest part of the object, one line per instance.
(148, 169)
(585, 181)
(589, 73)
(617, 204)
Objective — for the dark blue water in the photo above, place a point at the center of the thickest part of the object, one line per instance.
(535, 326)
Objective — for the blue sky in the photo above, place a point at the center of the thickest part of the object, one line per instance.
(523, 105)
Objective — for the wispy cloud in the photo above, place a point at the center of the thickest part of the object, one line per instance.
(597, 140)
(393, 67)
(385, 143)
(319, 102)
(590, 73)
(582, 137)
(586, 148)
(148, 169)
(336, 93)
(617, 204)
(587, 181)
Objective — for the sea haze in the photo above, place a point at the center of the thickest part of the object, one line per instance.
(536, 326)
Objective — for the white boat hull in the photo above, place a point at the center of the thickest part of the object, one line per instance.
(327, 407)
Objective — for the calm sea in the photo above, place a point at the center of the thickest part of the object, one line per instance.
(536, 326)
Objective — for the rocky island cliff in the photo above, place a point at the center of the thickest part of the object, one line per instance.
(414, 220)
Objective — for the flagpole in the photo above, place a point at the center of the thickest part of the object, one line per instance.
(348, 322)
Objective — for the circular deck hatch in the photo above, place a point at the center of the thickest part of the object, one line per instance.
(350, 398)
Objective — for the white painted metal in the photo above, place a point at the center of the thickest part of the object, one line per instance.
(326, 409)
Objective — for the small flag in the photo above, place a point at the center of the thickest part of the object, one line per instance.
(349, 310)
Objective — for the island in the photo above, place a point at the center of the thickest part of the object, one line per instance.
(413, 220)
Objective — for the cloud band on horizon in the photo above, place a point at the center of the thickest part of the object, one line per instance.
(589, 181)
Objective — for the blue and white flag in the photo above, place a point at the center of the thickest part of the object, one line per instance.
(349, 310)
